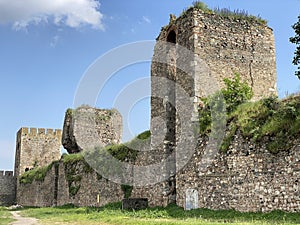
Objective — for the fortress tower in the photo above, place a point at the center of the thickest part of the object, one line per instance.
(36, 147)
(194, 53)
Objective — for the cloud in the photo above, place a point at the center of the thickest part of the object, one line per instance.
(54, 41)
(72, 13)
(146, 19)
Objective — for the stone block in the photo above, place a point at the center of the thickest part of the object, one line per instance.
(135, 203)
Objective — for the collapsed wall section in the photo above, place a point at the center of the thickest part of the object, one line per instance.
(87, 126)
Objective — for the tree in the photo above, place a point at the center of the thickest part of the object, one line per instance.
(296, 40)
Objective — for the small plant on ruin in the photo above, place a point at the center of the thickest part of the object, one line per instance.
(202, 6)
(235, 93)
(226, 13)
(127, 189)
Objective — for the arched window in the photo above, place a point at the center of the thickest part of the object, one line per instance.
(172, 37)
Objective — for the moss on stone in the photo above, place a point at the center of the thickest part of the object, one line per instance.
(37, 174)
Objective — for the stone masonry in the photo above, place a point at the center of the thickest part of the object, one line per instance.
(7, 188)
(245, 178)
(36, 147)
(91, 125)
(193, 55)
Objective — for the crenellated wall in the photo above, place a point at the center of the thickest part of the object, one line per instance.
(36, 147)
(7, 188)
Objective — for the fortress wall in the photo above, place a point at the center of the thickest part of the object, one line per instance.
(247, 178)
(7, 188)
(54, 190)
(38, 193)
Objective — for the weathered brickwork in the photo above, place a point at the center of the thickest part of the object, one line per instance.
(36, 147)
(7, 188)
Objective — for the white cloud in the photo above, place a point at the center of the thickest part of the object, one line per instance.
(54, 41)
(72, 13)
(146, 19)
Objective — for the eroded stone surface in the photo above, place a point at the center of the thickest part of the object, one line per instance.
(87, 127)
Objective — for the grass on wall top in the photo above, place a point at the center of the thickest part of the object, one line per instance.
(224, 12)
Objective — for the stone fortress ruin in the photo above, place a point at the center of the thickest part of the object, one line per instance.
(248, 178)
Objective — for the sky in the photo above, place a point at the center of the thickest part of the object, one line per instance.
(47, 46)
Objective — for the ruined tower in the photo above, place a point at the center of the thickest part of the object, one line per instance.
(36, 147)
(193, 55)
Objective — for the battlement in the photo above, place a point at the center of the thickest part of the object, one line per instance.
(39, 131)
(6, 174)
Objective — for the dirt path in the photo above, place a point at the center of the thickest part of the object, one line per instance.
(23, 220)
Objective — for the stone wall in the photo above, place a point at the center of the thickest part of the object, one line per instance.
(38, 193)
(247, 178)
(7, 188)
(230, 45)
(89, 127)
(93, 190)
(36, 147)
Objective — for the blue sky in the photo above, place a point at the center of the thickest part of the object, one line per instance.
(46, 48)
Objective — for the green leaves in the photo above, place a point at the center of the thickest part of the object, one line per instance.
(296, 40)
(236, 92)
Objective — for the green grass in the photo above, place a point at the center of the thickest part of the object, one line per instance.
(271, 120)
(226, 13)
(5, 216)
(112, 214)
(37, 174)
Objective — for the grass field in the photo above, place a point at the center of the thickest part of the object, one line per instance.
(172, 215)
(5, 216)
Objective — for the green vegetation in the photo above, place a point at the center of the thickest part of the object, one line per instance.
(144, 135)
(37, 174)
(5, 216)
(277, 122)
(236, 14)
(75, 165)
(269, 120)
(235, 93)
(127, 189)
(296, 40)
(69, 112)
(174, 215)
